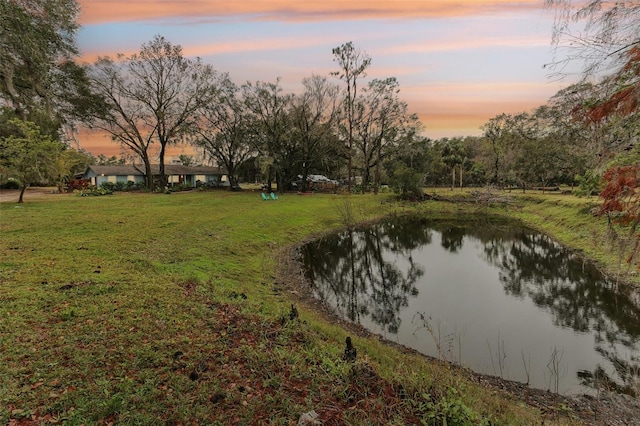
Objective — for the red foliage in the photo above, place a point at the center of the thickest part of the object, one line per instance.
(78, 184)
(624, 101)
(621, 200)
(621, 195)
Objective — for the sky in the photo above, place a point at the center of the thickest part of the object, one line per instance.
(458, 63)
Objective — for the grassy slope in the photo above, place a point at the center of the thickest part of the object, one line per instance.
(142, 308)
(571, 221)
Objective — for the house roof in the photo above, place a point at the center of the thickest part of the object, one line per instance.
(173, 169)
(124, 170)
(138, 170)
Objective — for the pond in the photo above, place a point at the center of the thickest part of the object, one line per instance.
(498, 298)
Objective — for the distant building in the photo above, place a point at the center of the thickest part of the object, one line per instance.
(176, 175)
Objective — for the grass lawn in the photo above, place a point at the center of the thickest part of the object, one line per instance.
(163, 309)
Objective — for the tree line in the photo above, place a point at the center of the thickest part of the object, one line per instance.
(343, 125)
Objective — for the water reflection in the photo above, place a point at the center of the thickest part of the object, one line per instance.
(543, 302)
(360, 273)
(578, 296)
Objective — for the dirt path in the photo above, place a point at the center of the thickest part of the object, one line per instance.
(32, 193)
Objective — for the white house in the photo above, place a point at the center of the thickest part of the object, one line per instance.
(176, 174)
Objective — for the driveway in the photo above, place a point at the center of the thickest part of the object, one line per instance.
(32, 193)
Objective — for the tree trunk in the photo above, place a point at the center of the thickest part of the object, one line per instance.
(365, 179)
(453, 177)
(162, 175)
(23, 188)
(460, 176)
(377, 173)
(148, 174)
(349, 167)
(231, 175)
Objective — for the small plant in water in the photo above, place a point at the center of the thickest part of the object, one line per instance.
(501, 356)
(438, 334)
(527, 366)
(556, 370)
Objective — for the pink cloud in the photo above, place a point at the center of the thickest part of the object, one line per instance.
(100, 11)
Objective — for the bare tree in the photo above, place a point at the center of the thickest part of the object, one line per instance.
(598, 33)
(149, 98)
(495, 132)
(353, 64)
(605, 37)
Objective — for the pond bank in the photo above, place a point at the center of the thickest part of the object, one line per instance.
(573, 223)
(607, 409)
(603, 409)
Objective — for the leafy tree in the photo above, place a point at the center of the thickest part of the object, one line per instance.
(453, 156)
(437, 172)
(497, 132)
(353, 64)
(223, 131)
(314, 114)
(474, 169)
(406, 182)
(382, 121)
(37, 47)
(30, 156)
(412, 150)
(186, 160)
(557, 123)
(149, 98)
(539, 161)
(588, 184)
(269, 117)
(71, 162)
(103, 160)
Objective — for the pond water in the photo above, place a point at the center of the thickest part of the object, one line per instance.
(498, 298)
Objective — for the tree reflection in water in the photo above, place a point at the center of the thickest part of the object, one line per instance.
(371, 273)
(577, 295)
(357, 271)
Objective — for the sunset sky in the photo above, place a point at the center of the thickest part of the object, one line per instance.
(459, 63)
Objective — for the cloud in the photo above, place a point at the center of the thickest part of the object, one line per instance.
(101, 11)
(469, 44)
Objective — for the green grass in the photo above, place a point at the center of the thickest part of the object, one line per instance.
(572, 222)
(151, 309)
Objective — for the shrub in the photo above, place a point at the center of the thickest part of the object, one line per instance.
(10, 184)
(78, 184)
(121, 186)
(93, 191)
(181, 187)
(406, 183)
(589, 184)
(450, 410)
